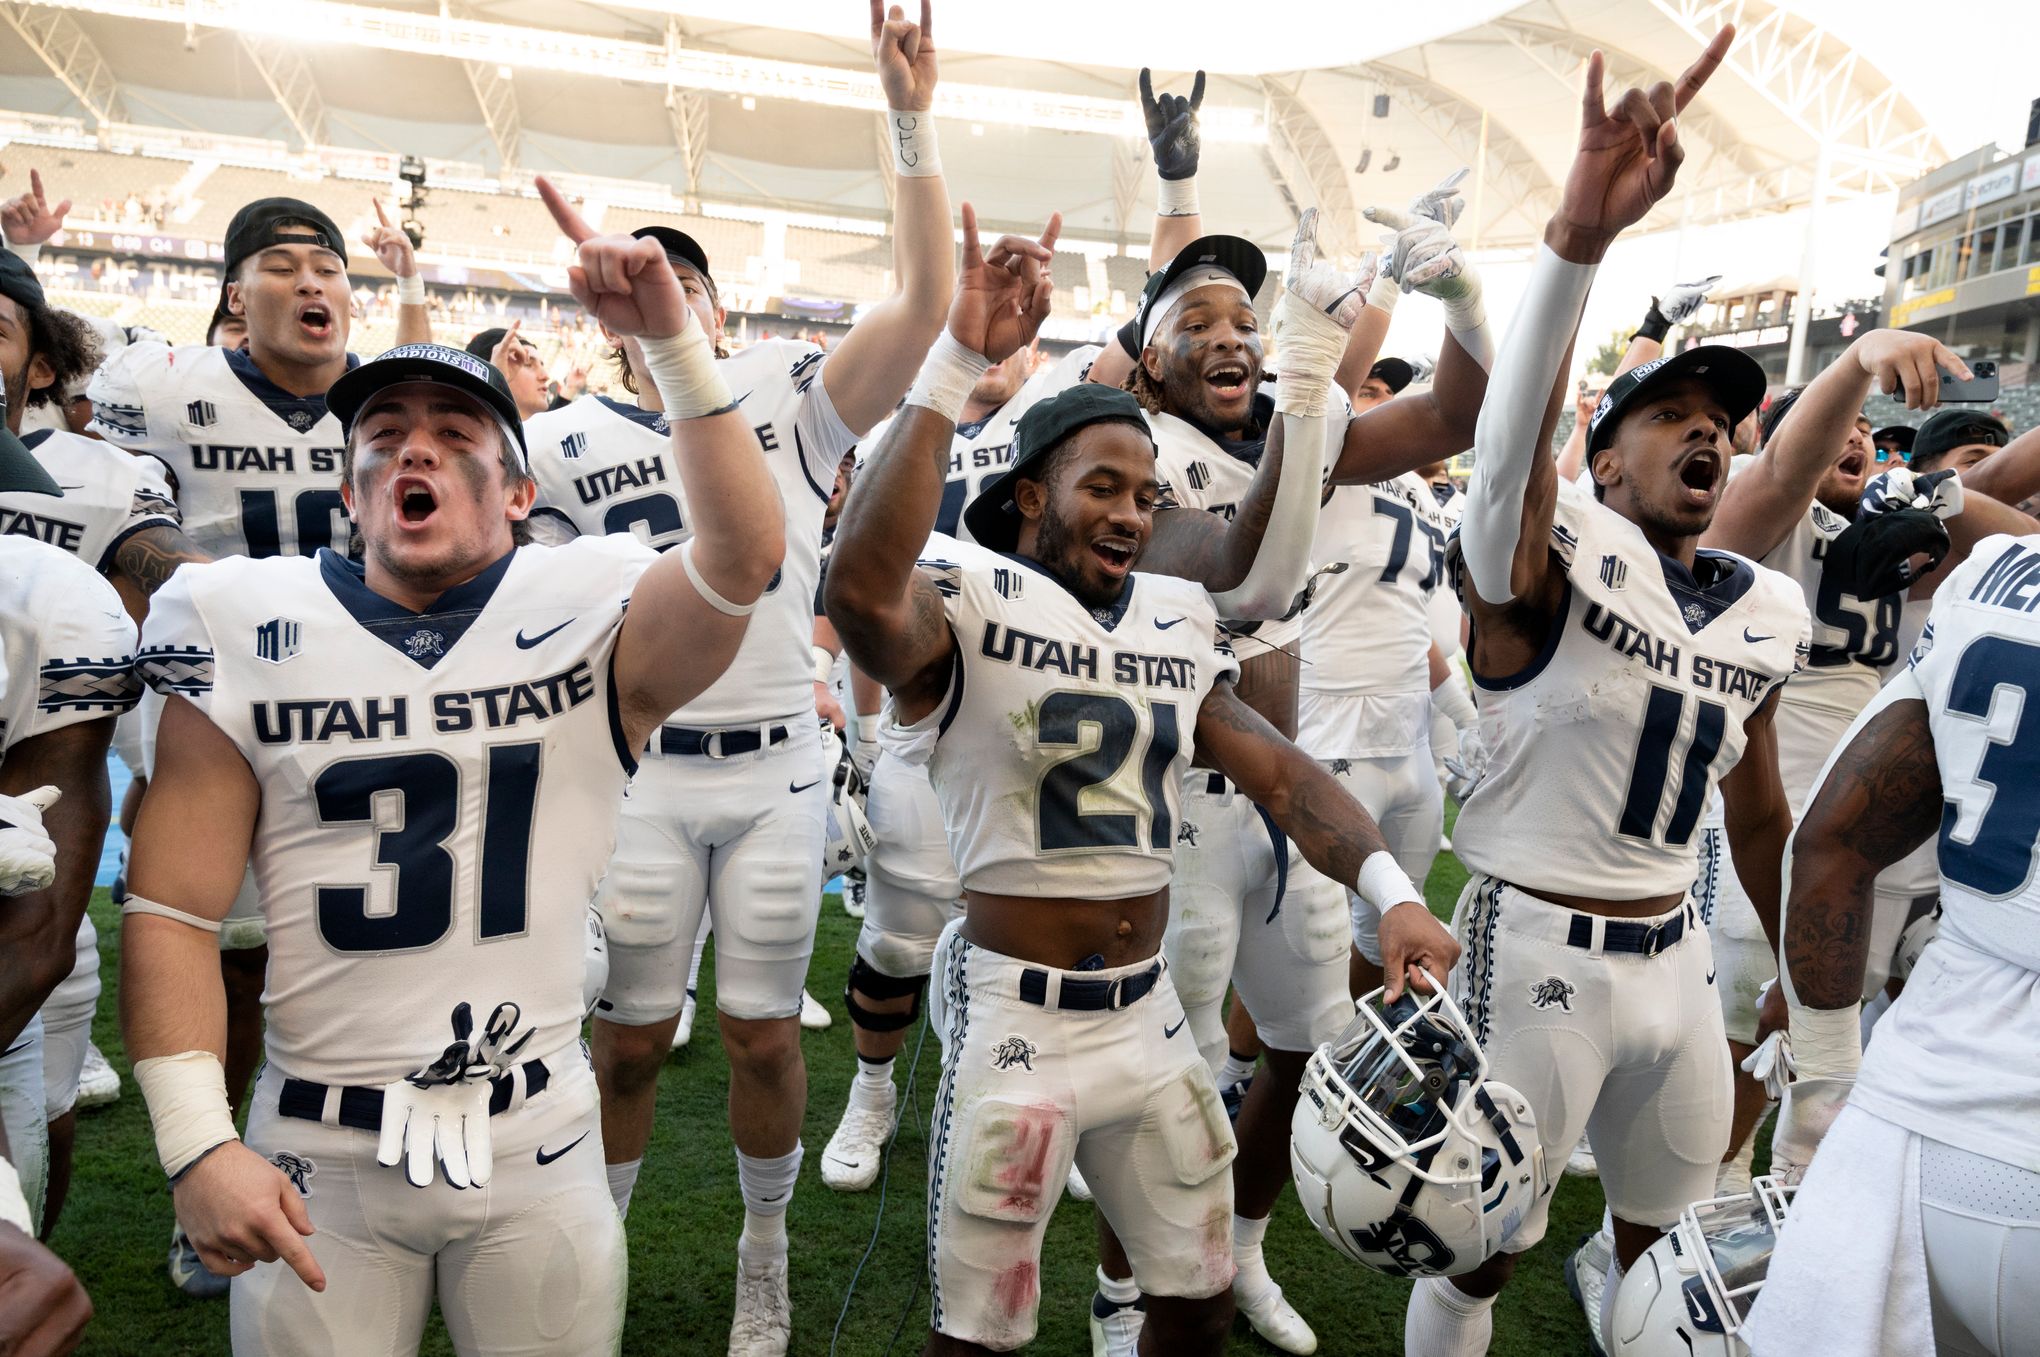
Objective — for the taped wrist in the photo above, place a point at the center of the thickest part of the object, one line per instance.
(684, 372)
(1176, 197)
(1466, 318)
(1311, 344)
(1382, 296)
(1451, 701)
(187, 1098)
(947, 376)
(825, 663)
(411, 290)
(1827, 1043)
(1655, 327)
(26, 251)
(873, 983)
(1384, 884)
(915, 154)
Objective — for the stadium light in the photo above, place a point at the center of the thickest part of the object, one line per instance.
(518, 46)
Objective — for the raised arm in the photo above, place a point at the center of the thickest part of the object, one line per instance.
(237, 1207)
(393, 248)
(1171, 121)
(870, 370)
(890, 617)
(1760, 506)
(2010, 475)
(689, 610)
(38, 930)
(1335, 832)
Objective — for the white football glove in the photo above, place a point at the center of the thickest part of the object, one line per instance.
(1465, 769)
(1811, 1106)
(1444, 203)
(1678, 305)
(28, 856)
(1321, 285)
(441, 1112)
(1903, 488)
(1771, 1064)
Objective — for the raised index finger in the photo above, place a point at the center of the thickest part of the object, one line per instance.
(1592, 110)
(927, 23)
(973, 258)
(877, 18)
(563, 214)
(1197, 92)
(1051, 231)
(1147, 88)
(35, 184)
(1703, 67)
(380, 215)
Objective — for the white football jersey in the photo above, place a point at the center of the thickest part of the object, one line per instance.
(1958, 1055)
(1059, 750)
(256, 469)
(440, 790)
(608, 467)
(1380, 552)
(1446, 614)
(67, 646)
(109, 495)
(1608, 747)
(983, 449)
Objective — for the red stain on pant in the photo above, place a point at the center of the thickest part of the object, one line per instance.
(1018, 1288)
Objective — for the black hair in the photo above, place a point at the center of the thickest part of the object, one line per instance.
(1060, 456)
(66, 343)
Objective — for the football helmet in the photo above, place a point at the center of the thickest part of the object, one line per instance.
(1914, 940)
(1690, 1292)
(850, 837)
(1407, 1157)
(594, 963)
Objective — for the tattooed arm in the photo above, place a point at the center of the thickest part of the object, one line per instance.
(888, 614)
(1194, 544)
(1335, 832)
(1879, 799)
(146, 559)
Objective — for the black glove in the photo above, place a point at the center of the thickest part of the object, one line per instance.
(1172, 126)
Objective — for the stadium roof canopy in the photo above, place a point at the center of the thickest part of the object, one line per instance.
(772, 102)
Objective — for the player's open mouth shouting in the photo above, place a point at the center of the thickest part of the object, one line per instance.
(415, 499)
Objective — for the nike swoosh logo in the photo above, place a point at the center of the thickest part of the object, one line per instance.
(62, 486)
(18, 1046)
(527, 642)
(741, 399)
(1160, 625)
(1168, 1032)
(544, 1158)
(1754, 639)
(796, 791)
(1710, 977)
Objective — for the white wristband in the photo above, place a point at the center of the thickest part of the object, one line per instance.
(1466, 318)
(1827, 1043)
(26, 251)
(1176, 197)
(1311, 344)
(825, 663)
(13, 1206)
(948, 375)
(683, 369)
(1382, 296)
(1451, 700)
(1383, 884)
(411, 289)
(915, 154)
(187, 1098)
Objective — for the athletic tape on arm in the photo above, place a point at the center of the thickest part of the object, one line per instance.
(1506, 439)
(1282, 565)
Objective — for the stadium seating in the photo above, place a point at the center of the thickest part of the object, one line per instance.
(91, 178)
(838, 265)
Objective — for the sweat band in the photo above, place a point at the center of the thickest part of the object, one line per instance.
(411, 289)
(137, 904)
(1176, 197)
(187, 1098)
(683, 370)
(1383, 884)
(915, 155)
(709, 595)
(825, 663)
(1207, 276)
(948, 375)
(1655, 327)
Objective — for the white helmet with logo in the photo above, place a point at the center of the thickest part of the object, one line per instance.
(850, 837)
(1689, 1293)
(1407, 1157)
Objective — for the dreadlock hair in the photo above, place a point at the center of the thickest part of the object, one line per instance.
(1145, 389)
(65, 342)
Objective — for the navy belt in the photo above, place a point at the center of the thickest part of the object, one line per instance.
(1089, 995)
(1627, 935)
(361, 1108)
(716, 744)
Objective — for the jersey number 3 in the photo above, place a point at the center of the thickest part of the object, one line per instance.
(1061, 821)
(1992, 818)
(421, 796)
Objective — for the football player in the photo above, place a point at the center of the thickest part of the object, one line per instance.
(517, 359)
(728, 816)
(1916, 1227)
(423, 757)
(1047, 689)
(1624, 673)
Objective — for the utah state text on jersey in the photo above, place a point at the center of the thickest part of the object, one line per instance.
(316, 720)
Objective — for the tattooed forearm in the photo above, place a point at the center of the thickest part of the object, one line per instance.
(1881, 800)
(1190, 545)
(148, 558)
(1268, 684)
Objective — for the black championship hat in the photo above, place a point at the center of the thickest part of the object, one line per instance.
(680, 247)
(994, 516)
(436, 363)
(1736, 379)
(275, 221)
(19, 471)
(1240, 258)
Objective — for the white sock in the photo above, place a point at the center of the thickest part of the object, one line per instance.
(622, 1182)
(1116, 1290)
(694, 966)
(1246, 1247)
(1733, 1177)
(873, 1085)
(767, 1186)
(1235, 1069)
(1444, 1321)
(1612, 1285)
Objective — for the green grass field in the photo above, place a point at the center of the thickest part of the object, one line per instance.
(685, 1217)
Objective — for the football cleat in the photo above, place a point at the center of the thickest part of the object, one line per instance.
(1079, 1189)
(764, 1322)
(1406, 1156)
(1232, 1095)
(1586, 1275)
(1115, 1328)
(851, 1161)
(684, 1033)
(1262, 1304)
(813, 1016)
(98, 1082)
(1581, 1163)
(853, 892)
(191, 1275)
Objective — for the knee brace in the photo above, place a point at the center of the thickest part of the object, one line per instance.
(867, 979)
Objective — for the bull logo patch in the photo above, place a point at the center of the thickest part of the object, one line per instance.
(297, 1168)
(1553, 992)
(1013, 1051)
